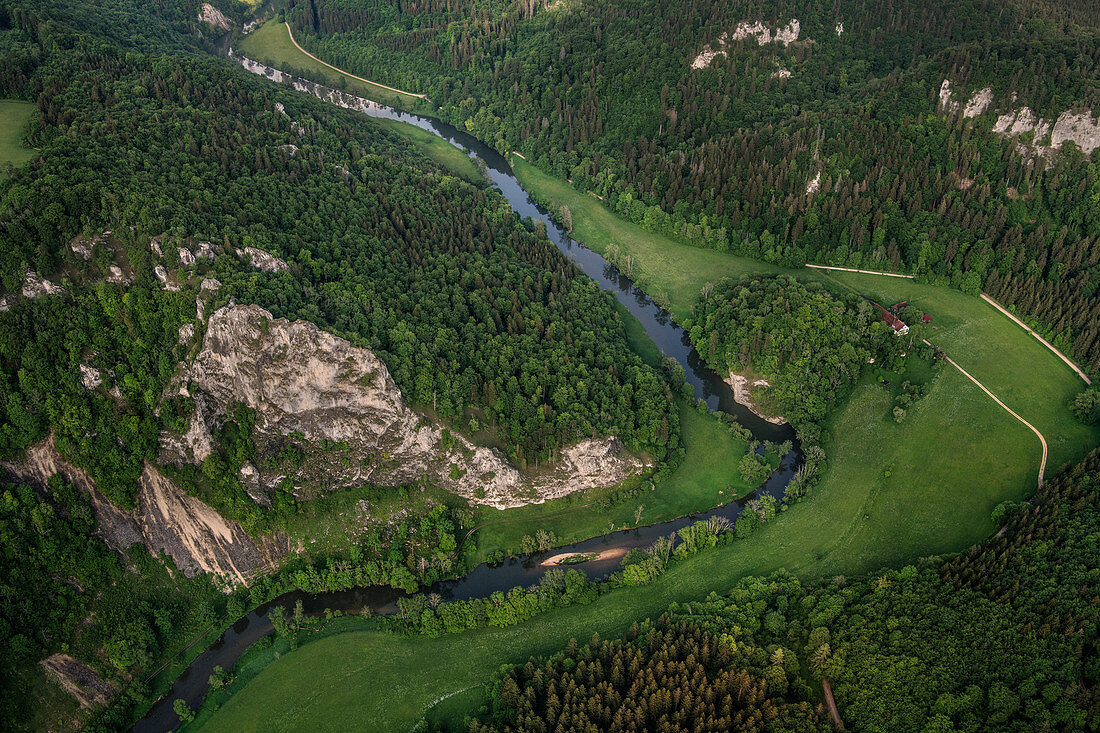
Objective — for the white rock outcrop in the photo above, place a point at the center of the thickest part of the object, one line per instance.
(814, 184)
(214, 18)
(302, 380)
(262, 261)
(1079, 128)
(166, 519)
(1046, 138)
(35, 286)
(756, 30)
(978, 102)
(90, 377)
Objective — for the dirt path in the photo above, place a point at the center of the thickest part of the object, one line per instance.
(1043, 463)
(353, 76)
(833, 712)
(1042, 340)
(865, 272)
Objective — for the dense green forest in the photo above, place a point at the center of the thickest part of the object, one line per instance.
(811, 345)
(141, 138)
(670, 678)
(1002, 637)
(475, 314)
(833, 148)
(146, 145)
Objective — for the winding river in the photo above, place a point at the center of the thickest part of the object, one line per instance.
(525, 570)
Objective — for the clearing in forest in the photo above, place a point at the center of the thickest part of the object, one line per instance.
(272, 44)
(13, 120)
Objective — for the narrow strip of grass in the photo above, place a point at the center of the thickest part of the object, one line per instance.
(437, 149)
(13, 120)
(672, 272)
(271, 44)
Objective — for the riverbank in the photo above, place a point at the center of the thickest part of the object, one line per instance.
(873, 508)
(742, 392)
(273, 44)
(826, 534)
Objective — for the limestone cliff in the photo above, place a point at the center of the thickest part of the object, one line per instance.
(167, 520)
(302, 380)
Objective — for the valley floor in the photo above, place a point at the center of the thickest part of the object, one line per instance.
(893, 493)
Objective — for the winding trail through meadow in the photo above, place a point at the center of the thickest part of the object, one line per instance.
(1043, 462)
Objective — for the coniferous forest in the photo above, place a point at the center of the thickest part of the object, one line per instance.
(1002, 637)
(833, 148)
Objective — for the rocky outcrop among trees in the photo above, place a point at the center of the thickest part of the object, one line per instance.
(166, 520)
(312, 388)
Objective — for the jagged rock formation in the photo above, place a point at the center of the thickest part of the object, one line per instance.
(193, 534)
(79, 680)
(261, 260)
(35, 286)
(1046, 138)
(214, 18)
(763, 35)
(302, 380)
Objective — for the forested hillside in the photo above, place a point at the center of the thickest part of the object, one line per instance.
(787, 131)
(1003, 637)
(166, 183)
(473, 313)
(809, 343)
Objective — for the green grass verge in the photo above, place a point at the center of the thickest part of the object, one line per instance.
(13, 119)
(437, 149)
(393, 681)
(670, 271)
(271, 44)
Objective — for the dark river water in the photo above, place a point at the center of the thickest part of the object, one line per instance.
(519, 571)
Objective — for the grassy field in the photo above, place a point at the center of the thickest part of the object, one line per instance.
(1013, 365)
(393, 681)
(271, 44)
(13, 118)
(672, 272)
(436, 148)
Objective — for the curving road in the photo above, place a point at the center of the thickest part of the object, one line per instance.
(1042, 340)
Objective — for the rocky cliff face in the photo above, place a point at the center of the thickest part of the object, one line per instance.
(302, 380)
(167, 520)
(1046, 137)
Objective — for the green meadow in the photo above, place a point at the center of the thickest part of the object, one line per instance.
(271, 44)
(891, 494)
(437, 149)
(13, 120)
